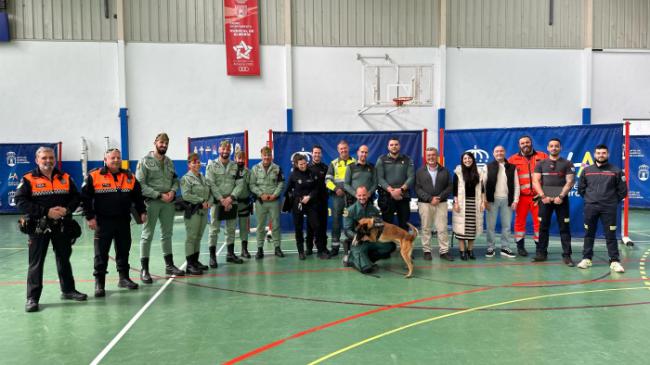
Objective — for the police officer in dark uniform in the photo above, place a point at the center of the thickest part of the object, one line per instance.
(602, 186)
(48, 197)
(302, 193)
(319, 168)
(107, 196)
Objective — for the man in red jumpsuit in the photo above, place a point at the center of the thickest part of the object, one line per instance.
(525, 161)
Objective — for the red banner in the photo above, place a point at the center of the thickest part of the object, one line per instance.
(242, 37)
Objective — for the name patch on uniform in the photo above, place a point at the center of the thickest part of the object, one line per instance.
(40, 185)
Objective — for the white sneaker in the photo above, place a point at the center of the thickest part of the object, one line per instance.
(616, 266)
(584, 264)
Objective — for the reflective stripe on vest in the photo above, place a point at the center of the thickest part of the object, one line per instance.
(41, 185)
(105, 183)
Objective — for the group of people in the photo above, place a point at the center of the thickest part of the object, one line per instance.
(530, 182)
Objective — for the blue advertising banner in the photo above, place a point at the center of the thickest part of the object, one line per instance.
(208, 147)
(18, 160)
(578, 144)
(639, 172)
(286, 144)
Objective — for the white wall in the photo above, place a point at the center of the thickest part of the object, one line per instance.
(327, 91)
(492, 88)
(183, 89)
(51, 91)
(59, 91)
(621, 87)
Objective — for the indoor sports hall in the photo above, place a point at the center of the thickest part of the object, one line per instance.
(324, 181)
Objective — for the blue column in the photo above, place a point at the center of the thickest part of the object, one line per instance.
(124, 133)
(289, 120)
(586, 116)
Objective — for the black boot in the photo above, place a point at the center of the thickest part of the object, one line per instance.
(170, 268)
(260, 253)
(198, 263)
(145, 277)
(192, 268)
(278, 252)
(244, 250)
(521, 250)
(213, 257)
(100, 281)
(231, 257)
(301, 251)
(335, 250)
(463, 255)
(126, 282)
(470, 255)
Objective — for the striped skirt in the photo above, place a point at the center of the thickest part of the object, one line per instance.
(470, 220)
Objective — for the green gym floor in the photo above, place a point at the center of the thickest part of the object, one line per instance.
(286, 311)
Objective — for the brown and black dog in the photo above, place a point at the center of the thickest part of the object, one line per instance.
(386, 232)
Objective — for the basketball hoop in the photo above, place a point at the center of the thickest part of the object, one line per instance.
(400, 100)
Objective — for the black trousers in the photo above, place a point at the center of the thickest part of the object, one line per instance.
(607, 215)
(38, 245)
(107, 230)
(400, 207)
(321, 235)
(313, 222)
(562, 215)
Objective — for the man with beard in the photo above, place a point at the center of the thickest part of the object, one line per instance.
(318, 168)
(552, 180)
(525, 161)
(335, 185)
(222, 175)
(395, 176)
(267, 183)
(602, 186)
(48, 197)
(243, 198)
(360, 173)
(157, 176)
(107, 196)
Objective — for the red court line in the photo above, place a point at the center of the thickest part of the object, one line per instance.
(271, 345)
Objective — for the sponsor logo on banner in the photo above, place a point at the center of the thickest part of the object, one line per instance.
(11, 159)
(644, 172)
(12, 198)
(13, 179)
(307, 154)
(482, 157)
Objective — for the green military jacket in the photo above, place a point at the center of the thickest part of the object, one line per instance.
(242, 182)
(265, 181)
(356, 211)
(360, 175)
(222, 179)
(156, 176)
(195, 189)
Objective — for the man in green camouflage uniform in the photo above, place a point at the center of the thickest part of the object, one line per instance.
(196, 195)
(159, 182)
(244, 204)
(364, 254)
(221, 175)
(267, 183)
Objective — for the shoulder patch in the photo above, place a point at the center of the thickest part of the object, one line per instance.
(345, 212)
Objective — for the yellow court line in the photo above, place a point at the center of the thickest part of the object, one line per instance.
(399, 329)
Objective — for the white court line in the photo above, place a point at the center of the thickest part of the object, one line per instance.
(13, 248)
(137, 316)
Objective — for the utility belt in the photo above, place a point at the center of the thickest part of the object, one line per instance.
(40, 226)
(191, 209)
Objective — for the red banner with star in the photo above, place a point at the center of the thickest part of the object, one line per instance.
(242, 37)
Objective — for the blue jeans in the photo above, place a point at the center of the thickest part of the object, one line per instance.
(501, 208)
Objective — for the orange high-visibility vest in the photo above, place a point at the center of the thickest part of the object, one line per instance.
(105, 183)
(525, 168)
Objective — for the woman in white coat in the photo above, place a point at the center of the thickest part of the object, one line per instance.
(469, 204)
